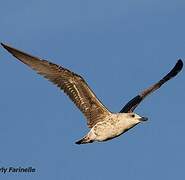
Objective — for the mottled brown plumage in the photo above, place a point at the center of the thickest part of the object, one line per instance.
(72, 84)
(104, 124)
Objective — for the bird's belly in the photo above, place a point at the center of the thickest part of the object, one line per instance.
(107, 130)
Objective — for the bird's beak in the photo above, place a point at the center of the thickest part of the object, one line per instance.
(142, 119)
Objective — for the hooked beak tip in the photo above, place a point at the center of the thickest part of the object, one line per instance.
(143, 119)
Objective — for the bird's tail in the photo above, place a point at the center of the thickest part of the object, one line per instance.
(85, 140)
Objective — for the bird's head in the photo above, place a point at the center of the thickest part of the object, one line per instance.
(136, 118)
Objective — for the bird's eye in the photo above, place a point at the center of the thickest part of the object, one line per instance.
(133, 115)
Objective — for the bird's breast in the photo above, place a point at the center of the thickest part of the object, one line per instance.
(110, 128)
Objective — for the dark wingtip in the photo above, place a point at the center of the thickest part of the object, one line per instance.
(6, 47)
(3, 45)
(179, 64)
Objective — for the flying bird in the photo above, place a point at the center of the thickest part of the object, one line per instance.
(104, 125)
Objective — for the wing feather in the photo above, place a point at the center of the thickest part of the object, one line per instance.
(133, 103)
(71, 83)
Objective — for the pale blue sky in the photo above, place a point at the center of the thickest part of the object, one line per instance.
(119, 47)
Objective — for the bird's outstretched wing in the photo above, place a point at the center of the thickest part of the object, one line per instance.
(72, 84)
(133, 103)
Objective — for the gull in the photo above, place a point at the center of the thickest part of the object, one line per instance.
(104, 124)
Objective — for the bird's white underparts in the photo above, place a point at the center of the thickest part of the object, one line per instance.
(104, 125)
